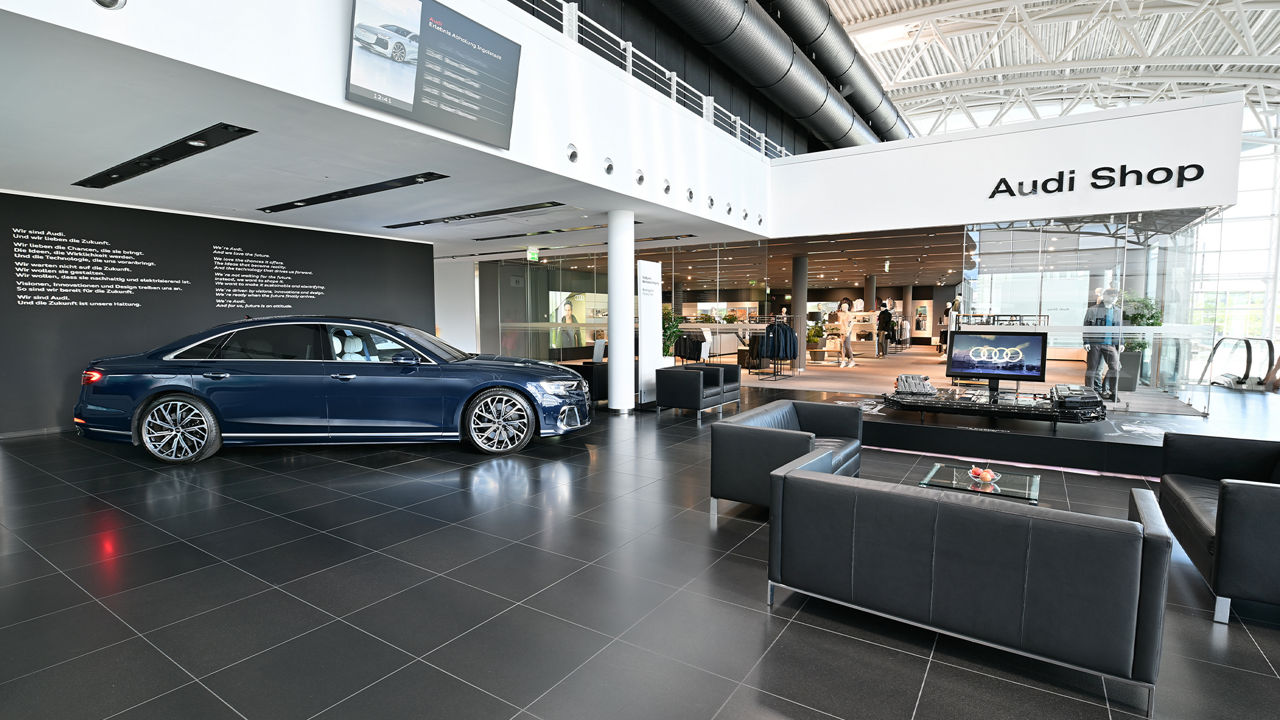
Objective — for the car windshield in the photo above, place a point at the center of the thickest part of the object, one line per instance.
(440, 348)
(397, 30)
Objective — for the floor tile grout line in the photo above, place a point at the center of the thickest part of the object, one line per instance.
(925, 678)
(1249, 632)
(618, 637)
(1027, 685)
(142, 637)
(157, 697)
(73, 658)
(754, 665)
(1106, 697)
(334, 617)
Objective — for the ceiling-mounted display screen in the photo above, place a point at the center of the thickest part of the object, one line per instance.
(421, 60)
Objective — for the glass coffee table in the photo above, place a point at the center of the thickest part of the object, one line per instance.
(1012, 485)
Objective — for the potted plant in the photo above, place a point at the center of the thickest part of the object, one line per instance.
(1137, 312)
(670, 331)
(705, 319)
(813, 341)
(731, 317)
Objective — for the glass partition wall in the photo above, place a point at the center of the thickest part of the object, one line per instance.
(1134, 273)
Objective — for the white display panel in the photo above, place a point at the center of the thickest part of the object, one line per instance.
(649, 318)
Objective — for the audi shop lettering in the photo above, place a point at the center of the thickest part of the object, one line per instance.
(1100, 178)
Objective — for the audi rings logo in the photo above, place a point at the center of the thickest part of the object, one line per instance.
(986, 353)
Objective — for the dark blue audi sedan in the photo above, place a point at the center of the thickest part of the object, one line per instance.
(312, 380)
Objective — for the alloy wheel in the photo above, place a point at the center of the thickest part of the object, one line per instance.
(175, 430)
(398, 53)
(499, 423)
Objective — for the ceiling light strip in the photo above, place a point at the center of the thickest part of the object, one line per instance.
(181, 149)
(406, 181)
(478, 214)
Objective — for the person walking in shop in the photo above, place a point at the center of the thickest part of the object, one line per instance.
(1103, 347)
(884, 326)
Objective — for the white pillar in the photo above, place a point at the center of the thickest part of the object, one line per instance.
(622, 310)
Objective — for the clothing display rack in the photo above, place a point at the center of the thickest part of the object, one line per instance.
(779, 345)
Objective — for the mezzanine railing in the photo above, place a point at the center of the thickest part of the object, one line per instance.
(588, 33)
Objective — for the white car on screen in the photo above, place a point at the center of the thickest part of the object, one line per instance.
(391, 41)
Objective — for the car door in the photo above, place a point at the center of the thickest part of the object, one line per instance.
(268, 381)
(371, 395)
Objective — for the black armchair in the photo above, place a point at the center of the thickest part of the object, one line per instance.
(698, 387)
(1221, 498)
(747, 447)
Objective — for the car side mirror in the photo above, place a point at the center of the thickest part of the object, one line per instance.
(408, 357)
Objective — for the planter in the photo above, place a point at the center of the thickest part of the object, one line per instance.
(1130, 368)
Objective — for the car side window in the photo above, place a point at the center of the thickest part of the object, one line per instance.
(207, 350)
(353, 344)
(275, 342)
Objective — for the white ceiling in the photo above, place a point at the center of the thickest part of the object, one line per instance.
(76, 105)
(954, 64)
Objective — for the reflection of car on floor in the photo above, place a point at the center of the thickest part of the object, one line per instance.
(392, 41)
(323, 380)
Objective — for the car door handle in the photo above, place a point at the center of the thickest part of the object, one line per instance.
(342, 377)
(217, 375)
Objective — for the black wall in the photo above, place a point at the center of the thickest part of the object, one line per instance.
(62, 327)
(652, 33)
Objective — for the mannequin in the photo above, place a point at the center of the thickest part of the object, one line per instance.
(859, 305)
(1103, 347)
(844, 318)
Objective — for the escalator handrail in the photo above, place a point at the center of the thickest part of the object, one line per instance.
(1248, 355)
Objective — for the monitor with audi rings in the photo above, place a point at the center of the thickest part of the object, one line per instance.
(989, 355)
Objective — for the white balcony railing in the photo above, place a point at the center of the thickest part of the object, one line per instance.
(591, 35)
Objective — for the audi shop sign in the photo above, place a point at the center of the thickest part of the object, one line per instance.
(421, 60)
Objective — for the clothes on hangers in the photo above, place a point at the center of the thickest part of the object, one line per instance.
(779, 343)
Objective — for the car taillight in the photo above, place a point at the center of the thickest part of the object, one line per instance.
(89, 377)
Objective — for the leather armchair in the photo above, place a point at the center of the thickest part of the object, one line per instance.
(1221, 497)
(1077, 590)
(748, 446)
(697, 387)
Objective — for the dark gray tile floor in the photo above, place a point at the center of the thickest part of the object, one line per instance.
(583, 578)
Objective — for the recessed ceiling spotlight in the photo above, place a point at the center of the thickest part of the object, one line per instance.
(197, 142)
(572, 153)
(109, 4)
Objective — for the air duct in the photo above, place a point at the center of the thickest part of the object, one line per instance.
(812, 26)
(743, 35)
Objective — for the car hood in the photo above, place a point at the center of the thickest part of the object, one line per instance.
(507, 365)
(374, 29)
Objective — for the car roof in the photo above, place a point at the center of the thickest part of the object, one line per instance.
(274, 319)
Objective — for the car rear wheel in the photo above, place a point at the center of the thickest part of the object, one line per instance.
(498, 422)
(398, 53)
(179, 429)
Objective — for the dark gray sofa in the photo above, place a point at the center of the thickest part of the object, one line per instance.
(1221, 497)
(698, 387)
(748, 446)
(1077, 590)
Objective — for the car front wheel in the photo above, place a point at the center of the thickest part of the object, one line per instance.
(179, 429)
(397, 53)
(498, 422)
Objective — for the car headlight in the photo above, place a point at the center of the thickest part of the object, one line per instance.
(558, 387)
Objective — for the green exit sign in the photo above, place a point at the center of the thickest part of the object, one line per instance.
(531, 254)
